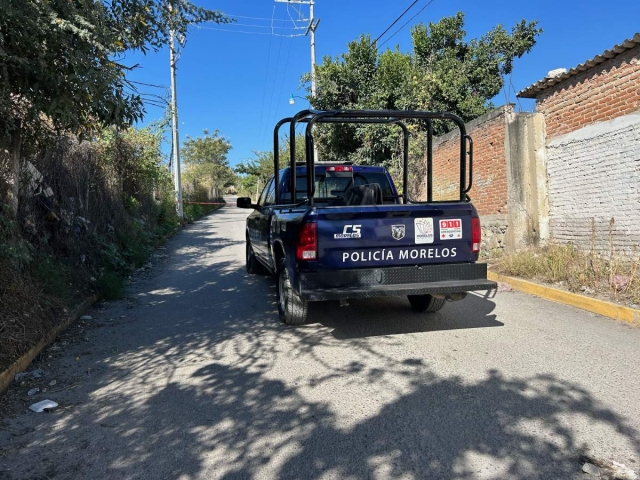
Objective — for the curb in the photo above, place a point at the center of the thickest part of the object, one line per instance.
(25, 360)
(606, 309)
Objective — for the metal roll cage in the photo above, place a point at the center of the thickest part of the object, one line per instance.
(393, 117)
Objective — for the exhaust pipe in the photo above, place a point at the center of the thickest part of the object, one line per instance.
(450, 297)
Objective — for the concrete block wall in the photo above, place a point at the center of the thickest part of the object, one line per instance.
(594, 176)
(593, 155)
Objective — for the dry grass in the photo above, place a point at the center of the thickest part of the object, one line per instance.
(604, 275)
(110, 202)
(27, 313)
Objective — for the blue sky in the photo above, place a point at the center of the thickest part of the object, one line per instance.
(239, 83)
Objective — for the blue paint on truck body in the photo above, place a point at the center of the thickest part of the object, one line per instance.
(355, 237)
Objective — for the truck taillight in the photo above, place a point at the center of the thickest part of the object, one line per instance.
(339, 168)
(307, 247)
(476, 235)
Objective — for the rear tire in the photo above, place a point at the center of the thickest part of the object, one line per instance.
(254, 267)
(291, 308)
(426, 303)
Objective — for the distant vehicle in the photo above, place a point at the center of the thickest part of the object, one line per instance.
(347, 232)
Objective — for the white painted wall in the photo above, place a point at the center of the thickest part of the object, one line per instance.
(594, 173)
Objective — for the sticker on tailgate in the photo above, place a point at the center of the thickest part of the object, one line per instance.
(423, 228)
(451, 229)
(349, 231)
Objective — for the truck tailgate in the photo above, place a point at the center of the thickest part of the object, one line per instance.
(393, 235)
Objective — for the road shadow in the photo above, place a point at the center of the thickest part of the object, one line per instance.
(201, 380)
(394, 316)
(233, 423)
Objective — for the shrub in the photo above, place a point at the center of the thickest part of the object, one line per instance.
(53, 274)
(110, 285)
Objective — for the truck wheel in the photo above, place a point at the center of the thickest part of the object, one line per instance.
(292, 308)
(425, 303)
(254, 267)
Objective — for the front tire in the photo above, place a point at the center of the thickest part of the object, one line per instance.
(254, 267)
(291, 308)
(425, 303)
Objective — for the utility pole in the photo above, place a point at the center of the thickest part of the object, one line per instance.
(313, 25)
(311, 29)
(174, 126)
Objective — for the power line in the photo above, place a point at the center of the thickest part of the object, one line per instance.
(266, 26)
(395, 21)
(405, 24)
(261, 18)
(282, 85)
(275, 78)
(271, 34)
(164, 87)
(266, 81)
(300, 16)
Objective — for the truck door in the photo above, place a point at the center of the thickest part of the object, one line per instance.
(263, 223)
(258, 224)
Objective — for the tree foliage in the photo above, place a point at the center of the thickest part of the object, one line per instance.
(60, 60)
(206, 163)
(256, 171)
(443, 72)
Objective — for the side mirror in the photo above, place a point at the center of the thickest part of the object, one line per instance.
(244, 202)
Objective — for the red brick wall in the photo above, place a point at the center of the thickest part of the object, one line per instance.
(605, 91)
(489, 191)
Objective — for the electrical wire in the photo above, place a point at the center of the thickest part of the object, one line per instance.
(275, 77)
(405, 24)
(164, 87)
(260, 18)
(266, 26)
(300, 16)
(395, 21)
(281, 95)
(253, 33)
(266, 81)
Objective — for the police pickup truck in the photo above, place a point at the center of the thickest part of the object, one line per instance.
(347, 233)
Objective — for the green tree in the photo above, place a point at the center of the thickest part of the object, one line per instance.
(60, 67)
(206, 163)
(256, 171)
(443, 72)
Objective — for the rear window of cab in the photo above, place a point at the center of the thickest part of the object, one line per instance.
(334, 188)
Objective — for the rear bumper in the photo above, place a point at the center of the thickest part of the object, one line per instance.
(394, 281)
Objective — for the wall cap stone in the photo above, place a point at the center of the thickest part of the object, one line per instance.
(475, 123)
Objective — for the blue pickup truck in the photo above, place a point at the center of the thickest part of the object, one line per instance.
(347, 232)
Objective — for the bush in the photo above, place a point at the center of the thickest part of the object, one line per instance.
(12, 247)
(96, 209)
(110, 285)
(53, 274)
(194, 212)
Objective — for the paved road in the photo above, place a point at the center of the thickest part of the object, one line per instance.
(200, 380)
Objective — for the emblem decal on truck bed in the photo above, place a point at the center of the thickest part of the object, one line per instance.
(423, 230)
(397, 232)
